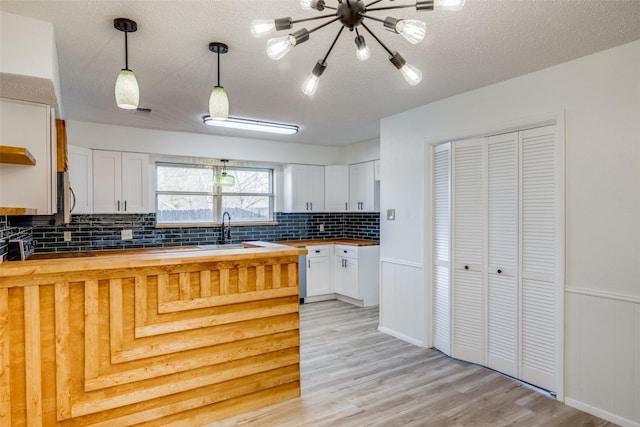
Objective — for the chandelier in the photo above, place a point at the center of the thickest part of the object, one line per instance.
(352, 14)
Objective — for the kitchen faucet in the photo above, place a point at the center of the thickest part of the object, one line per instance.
(225, 232)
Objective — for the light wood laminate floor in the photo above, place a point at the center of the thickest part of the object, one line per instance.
(353, 375)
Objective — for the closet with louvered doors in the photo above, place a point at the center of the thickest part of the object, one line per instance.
(496, 218)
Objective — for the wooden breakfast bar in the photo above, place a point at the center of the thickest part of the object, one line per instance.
(148, 337)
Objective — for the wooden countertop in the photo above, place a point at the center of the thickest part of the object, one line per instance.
(140, 258)
(311, 242)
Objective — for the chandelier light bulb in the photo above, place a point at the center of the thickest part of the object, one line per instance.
(310, 84)
(412, 30)
(363, 53)
(127, 91)
(452, 5)
(262, 27)
(278, 47)
(411, 74)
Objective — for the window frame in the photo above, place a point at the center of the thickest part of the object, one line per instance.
(218, 194)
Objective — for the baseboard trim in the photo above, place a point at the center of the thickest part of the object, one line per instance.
(600, 413)
(401, 336)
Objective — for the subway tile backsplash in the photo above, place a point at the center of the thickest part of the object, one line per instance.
(102, 232)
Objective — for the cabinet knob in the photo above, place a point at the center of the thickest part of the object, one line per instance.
(466, 267)
(317, 251)
(499, 271)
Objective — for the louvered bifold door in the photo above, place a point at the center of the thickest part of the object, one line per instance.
(538, 256)
(441, 247)
(502, 245)
(468, 229)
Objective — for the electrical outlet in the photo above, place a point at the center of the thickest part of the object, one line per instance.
(67, 236)
(391, 214)
(127, 234)
(321, 227)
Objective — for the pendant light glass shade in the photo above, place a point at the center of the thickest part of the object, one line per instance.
(363, 52)
(218, 104)
(224, 180)
(127, 90)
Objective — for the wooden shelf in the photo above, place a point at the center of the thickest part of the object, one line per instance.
(16, 155)
(17, 211)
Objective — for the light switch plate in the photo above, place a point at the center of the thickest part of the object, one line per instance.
(127, 234)
(391, 214)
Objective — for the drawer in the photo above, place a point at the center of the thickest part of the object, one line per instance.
(315, 251)
(347, 251)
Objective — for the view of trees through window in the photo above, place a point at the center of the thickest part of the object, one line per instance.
(186, 194)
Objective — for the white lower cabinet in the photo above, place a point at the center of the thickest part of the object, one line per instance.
(319, 277)
(356, 274)
(348, 273)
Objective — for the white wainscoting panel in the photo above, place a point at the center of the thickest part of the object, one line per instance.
(402, 310)
(603, 355)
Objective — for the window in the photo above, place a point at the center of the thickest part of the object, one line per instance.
(185, 194)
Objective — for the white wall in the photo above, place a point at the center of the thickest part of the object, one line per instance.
(120, 138)
(600, 96)
(362, 152)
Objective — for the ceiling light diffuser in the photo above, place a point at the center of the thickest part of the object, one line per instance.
(253, 125)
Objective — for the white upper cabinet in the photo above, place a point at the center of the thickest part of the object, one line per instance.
(80, 163)
(304, 188)
(120, 182)
(336, 188)
(363, 196)
(31, 126)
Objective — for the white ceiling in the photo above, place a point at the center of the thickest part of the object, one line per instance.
(486, 42)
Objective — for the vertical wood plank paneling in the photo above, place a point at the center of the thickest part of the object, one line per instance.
(141, 301)
(225, 283)
(260, 278)
(63, 351)
(5, 362)
(205, 283)
(624, 358)
(276, 276)
(32, 359)
(163, 287)
(185, 286)
(292, 274)
(243, 275)
(115, 314)
(91, 329)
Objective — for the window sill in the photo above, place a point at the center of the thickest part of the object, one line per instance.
(214, 224)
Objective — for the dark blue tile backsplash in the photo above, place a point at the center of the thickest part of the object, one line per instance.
(102, 232)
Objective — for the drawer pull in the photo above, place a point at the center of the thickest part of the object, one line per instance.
(466, 267)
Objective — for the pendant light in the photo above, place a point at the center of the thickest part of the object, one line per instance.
(127, 91)
(223, 179)
(218, 100)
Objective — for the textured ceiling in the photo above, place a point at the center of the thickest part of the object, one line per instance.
(486, 42)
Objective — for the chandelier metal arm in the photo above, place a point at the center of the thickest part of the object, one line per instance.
(373, 2)
(377, 39)
(404, 6)
(324, 60)
(297, 21)
(323, 25)
(374, 18)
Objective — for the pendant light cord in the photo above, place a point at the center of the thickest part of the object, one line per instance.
(126, 52)
(218, 67)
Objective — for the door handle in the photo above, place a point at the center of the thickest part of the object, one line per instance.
(311, 204)
(466, 267)
(307, 206)
(499, 271)
(118, 205)
(125, 205)
(346, 206)
(309, 263)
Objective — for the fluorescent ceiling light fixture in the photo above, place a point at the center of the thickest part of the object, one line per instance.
(249, 124)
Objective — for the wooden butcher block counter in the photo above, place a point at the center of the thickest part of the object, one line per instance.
(157, 338)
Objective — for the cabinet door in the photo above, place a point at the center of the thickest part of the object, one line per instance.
(468, 237)
(502, 255)
(362, 187)
(346, 276)
(135, 177)
(107, 181)
(298, 183)
(316, 189)
(81, 179)
(336, 188)
(319, 276)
